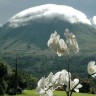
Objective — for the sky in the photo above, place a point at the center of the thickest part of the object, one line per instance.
(8, 8)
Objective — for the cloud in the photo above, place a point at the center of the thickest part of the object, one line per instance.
(94, 20)
(48, 12)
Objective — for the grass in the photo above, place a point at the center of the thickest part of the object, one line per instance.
(56, 93)
(61, 93)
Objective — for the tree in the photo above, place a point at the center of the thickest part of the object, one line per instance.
(3, 73)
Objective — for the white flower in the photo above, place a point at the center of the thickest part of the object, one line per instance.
(43, 92)
(58, 45)
(62, 48)
(42, 83)
(49, 80)
(53, 42)
(56, 80)
(43, 88)
(74, 85)
(71, 40)
(92, 68)
(77, 85)
(59, 78)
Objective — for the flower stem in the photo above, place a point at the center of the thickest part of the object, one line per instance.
(69, 74)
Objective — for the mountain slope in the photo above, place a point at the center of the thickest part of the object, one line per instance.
(29, 36)
(37, 34)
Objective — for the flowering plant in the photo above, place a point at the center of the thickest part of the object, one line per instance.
(92, 68)
(46, 86)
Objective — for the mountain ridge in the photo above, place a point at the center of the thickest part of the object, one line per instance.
(30, 40)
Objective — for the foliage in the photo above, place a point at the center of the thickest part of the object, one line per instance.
(8, 79)
(37, 63)
(41, 65)
(24, 80)
(3, 73)
(3, 69)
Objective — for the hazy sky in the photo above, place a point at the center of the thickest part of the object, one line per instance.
(8, 8)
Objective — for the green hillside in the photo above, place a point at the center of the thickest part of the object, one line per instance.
(37, 34)
(29, 43)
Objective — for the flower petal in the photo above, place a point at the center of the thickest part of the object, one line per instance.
(71, 40)
(76, 81)
(40, 90)
(41, 81)
(79, 86)
(91, 68)
(62, 49)
(76, 89)
(49, 93)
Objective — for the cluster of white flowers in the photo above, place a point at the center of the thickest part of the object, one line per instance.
(46, 86)
(59, 46)
(71, 40)
(92, 68)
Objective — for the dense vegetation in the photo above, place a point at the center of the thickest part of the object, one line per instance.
(9, 82)
(40, 66)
